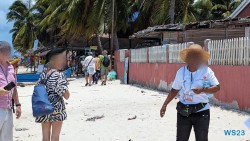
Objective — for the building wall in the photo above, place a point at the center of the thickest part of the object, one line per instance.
(199, 35)
(234, 80)
(245, 13)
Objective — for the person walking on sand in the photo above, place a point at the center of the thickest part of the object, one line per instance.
(89, 68)
(57, 88)
(193, 82)
(105, 66)
(97, 68)
(7, 97)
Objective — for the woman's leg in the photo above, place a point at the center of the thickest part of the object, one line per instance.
(46, 128)
(90, 79)
(97, 75)
(201, 125)
(93, 79)
(6, 125)
(86, 77)
(106, 76)
(56, 129)
(102, 76)
(184, 126)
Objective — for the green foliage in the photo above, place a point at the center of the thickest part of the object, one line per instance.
(22, 32)
(48, 19)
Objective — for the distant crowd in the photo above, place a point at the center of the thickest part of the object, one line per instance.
(96, 67)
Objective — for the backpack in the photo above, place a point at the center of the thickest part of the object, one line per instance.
(106, 61)
(40, 102)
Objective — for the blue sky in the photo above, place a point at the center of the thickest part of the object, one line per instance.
(5, 26)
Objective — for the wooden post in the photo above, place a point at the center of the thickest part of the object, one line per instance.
(112, 31)
(189, 44)
(206, 44)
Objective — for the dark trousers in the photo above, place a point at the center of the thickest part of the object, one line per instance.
(96, 76)
(200, 122)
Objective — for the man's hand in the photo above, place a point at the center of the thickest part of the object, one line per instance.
(163, 110)
(18, 112)
(197, 90)
(3, 91)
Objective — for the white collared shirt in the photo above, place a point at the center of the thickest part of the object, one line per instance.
(185, 81)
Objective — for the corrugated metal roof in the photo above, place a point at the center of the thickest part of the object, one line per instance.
(224, 23)
(239, 9)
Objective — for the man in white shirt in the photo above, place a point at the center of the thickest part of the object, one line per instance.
(89, 68)
(193, 82)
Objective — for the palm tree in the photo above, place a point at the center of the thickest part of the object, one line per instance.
(92, 18)
(157, 12)
(202, 10)
(99, 20)
(185, 12)
(23, 28)
(172, 11)
(85, 18)
(224, 8)
(51, 16)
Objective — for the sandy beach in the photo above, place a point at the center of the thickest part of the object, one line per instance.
(117, 103)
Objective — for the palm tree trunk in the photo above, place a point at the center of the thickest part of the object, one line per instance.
(172, 11)
(116, 42)
(100, 48)
(115, 38)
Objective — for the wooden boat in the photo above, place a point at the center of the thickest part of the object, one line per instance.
(33, 77)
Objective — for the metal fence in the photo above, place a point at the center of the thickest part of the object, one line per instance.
(122, 55)
(229, 52)
(157, 54)
(174, 52)
(139, 55)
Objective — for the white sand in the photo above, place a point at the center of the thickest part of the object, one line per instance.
(118, 103)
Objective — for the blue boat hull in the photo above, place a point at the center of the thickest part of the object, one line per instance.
(32, 77)
(27, 77)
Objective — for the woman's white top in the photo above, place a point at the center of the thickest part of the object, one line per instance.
(89, 61)
(185, 81)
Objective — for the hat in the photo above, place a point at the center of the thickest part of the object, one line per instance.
(194, 48)
(53, 52)
(90, 53)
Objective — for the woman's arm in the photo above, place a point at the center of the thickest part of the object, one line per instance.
(176, 87)
(66, 95)
(171, 96)
(212, 89)
(17, 103)
(15, 96)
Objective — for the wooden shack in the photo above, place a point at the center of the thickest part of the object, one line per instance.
(196, 32)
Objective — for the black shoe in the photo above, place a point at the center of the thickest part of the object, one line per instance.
(86, 84)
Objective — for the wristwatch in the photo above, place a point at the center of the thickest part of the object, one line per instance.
(17, 105)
